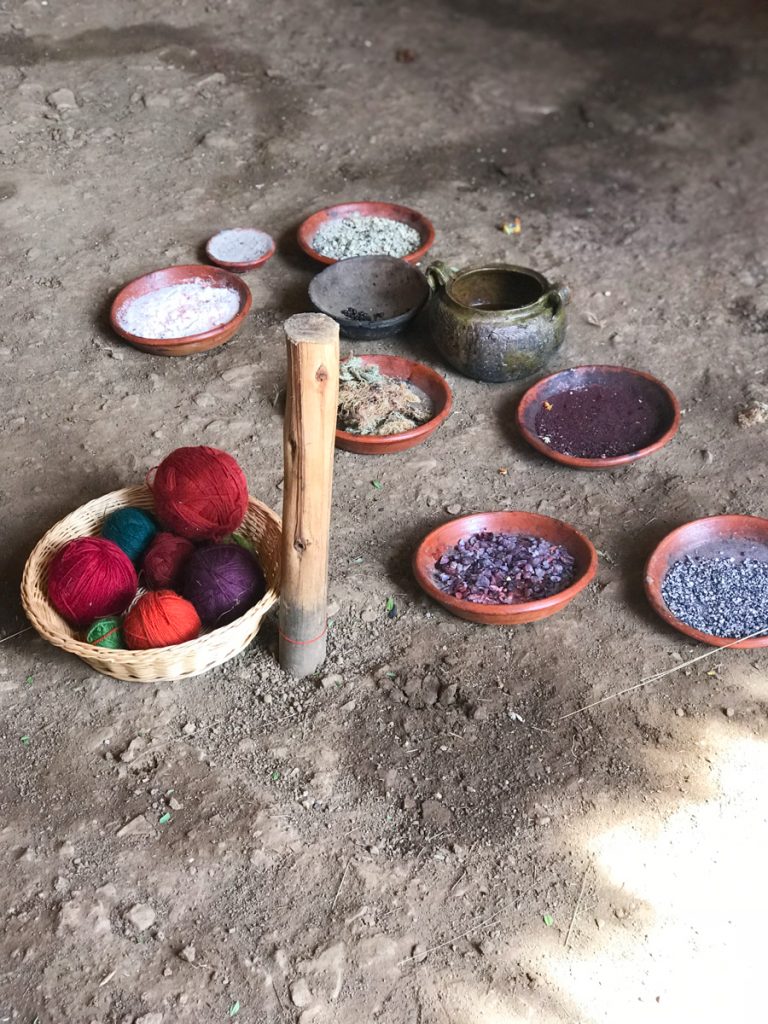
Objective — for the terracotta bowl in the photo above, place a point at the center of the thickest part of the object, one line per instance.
(180, 275)
(266, 251)
(732, 535)
(553, 530)
(424, 378)
(582, 376)
(391, 289)
(404, 214)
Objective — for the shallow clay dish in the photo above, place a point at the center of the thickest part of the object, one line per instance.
(405, 214)
(388, 290)
(715, 535)
(181, 275)
(240, 249)
(422, 377)
(583, 376)
(553, 530)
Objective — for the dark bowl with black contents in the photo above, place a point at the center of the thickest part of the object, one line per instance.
(369, 296)
(598, 417)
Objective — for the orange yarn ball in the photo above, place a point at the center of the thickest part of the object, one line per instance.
(160, 618)
(200, 493)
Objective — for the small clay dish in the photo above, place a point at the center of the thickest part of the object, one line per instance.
(187, 274)
(240, 249)
(656, 394)
(392, 211)
(369, 296)
(736, 536)
(425, 379)
(553, 530)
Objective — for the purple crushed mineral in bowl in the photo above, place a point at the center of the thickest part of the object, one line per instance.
(504, 568)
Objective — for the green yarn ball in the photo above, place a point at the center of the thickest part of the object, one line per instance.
(106, 633)
(132, 529)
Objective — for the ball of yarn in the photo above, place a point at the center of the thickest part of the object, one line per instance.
(90, 578)
(165, 560)
(106, 633)
(160, 618)
(132, 529)
(222, 581)
(200, 493)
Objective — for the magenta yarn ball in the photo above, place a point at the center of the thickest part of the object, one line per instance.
(89, 579)
(222, 581)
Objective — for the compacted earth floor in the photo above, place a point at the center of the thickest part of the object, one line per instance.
(417, 834)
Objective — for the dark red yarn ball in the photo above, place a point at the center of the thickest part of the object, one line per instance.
(89, 578)
(222, 581)
(164, 561)
(200, 493)
(160, 618)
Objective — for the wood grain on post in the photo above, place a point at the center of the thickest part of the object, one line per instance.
(308, 444)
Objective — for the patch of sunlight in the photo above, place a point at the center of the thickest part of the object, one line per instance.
(692, 949)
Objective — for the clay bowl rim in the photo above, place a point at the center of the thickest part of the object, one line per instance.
(669, 550)
(502, 520)
(367, 208)
(408, 438)
(172, 275)
(374, 327)
(533, 395)
(241, 265)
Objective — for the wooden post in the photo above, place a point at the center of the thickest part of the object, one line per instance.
(312, 394)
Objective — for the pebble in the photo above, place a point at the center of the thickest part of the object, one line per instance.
(300, 993)
(150, 1018)
(680, 712)
(188, 954)
(729, 712)
(138, 826)
(453, 510)
(62, 99)
(141, 916)
(331, 681)
(218, 140)
(369, 615)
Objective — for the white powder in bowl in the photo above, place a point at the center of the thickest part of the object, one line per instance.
(239, 245)
(179, 310)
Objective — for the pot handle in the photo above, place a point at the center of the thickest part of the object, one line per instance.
(559, 295)
(439, 274)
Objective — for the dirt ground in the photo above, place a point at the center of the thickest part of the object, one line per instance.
(415, 837)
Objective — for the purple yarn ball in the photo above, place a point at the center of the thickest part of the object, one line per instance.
(222, 581)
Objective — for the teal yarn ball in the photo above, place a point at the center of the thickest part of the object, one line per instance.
(106, 633)
(132, 529)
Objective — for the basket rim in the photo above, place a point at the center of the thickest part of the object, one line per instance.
(40, 557)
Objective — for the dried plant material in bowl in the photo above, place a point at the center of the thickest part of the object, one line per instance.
(548, 561)
(181, 310)
(326, 220)
(372, 403)
(418, 390)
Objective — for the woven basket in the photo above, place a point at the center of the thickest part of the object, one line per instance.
(261, 526)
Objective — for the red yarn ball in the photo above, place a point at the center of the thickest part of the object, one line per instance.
(160, 618)
(164, 561)
(200, 493)
(89, 578)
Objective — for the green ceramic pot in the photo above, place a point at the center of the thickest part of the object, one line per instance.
(498, 322)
